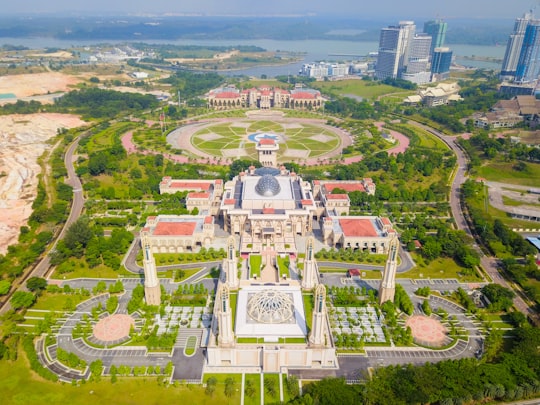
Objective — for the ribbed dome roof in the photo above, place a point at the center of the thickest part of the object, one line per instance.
(267, 186)
(270, 306)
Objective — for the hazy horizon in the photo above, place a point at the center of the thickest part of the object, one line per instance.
(412, 9)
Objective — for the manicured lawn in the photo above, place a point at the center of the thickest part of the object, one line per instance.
(370, 274)
(219, 395)
(255, 399)
(255, 262)
(101, 271)
(439, 268)
(57, 301)
(190, 346)
(19, 385)
(272, 399)
(504, 173)
(313, 139)
(361, 88)
(308, 309)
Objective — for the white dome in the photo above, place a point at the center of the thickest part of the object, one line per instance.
(270, 306)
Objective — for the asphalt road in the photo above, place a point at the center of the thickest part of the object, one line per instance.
(490, 264)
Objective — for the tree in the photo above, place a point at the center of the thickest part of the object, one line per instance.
(78, 234)
(5, 286)
(230, 387)
(22, 299)
(36, 284)
(210, 386)
(500, 297)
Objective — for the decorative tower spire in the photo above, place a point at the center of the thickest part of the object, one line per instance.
(318, 321)
(387, 289)
(226, 334)
(152, 289)
(309, 279)
(230, 264)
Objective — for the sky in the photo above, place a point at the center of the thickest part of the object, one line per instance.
(404, 9)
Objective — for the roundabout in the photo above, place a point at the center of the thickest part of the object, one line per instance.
(301, 140)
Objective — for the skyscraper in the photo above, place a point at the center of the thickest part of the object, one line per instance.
(528, 65)
(513, 47)
(394, 47)
(437, 30)
(417, 65)
(442, 59)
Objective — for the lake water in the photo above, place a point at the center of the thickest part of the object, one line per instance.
(313, 50)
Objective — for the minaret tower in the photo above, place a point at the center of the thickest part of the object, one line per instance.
(310, 276)
(226, 334)
(388, 282)
(152, 289)
(230, 264)
(318, 322)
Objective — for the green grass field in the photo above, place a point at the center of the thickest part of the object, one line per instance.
(16, 378)
(361, 88)
(439, 268)
(505, 173)
(220, 139)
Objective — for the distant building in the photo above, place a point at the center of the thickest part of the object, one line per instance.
(394, 46)
(436, 29)
(403, 54)
(528, 66)
(441, 94)
(518, 89)
(323, 70)
(139, 75)
(513, 47)
(508, 113)
(264, 98)
(441, 62)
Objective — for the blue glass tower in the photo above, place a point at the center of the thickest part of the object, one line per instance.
(442, 59)
(528, 66)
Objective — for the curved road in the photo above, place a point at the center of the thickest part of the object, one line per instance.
(42, 268)
(490, 264)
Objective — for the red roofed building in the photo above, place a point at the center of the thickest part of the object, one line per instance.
(204, 194)
(358, 232)
(264, 98)
(178, 233)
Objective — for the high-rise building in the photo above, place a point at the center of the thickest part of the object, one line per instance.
(418, 63)
(437, 30)
(442, 59)
(394, 47)
(514, 46)
(528, 65)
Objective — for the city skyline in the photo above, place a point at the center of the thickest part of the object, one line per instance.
(484, 9)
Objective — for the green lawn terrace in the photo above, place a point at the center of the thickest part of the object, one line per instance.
(234, 138)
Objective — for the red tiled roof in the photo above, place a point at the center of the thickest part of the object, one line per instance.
(209, 219)
(229, 201)
(219, 181)
(316, 182)
(198, 195)
(151, 217)
(307, 202)
(174, 228)
(227, 94)
(348, 187)
(267, 141)
(190, 185)
(303, 95)
(357, 227)
(269, 210)
(386, 221)
(337, 196)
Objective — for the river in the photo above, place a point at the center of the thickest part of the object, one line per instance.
(314, 50)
